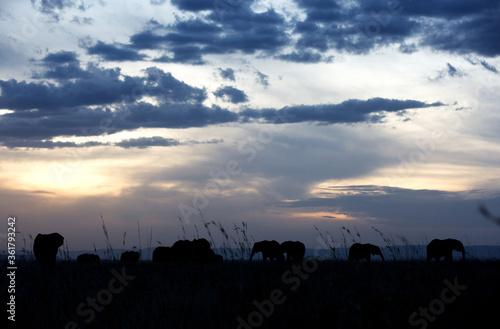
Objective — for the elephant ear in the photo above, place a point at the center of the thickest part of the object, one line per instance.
(59, 240)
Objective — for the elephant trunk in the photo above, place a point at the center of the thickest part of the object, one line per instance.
(382, 256)
(463, 254)
(251, 255)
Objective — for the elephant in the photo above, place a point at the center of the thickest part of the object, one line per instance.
(218, 259)
(444, 248)
(130, 256)
(197, 251)
(88, 259)
(269, 249)
(45, 248)
(163, 254)
(294, 250)
(360, 251)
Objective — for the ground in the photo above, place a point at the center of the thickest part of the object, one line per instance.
(312, 294)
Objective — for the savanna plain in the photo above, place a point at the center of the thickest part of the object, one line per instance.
(324, 292)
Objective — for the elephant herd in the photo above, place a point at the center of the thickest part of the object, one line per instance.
(273, 250)
(45, 249)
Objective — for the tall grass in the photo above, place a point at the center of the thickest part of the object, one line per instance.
(110, 254)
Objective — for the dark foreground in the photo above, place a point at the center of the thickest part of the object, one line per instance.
(241, 295)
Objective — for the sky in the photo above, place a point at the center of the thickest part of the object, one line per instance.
(296, 117)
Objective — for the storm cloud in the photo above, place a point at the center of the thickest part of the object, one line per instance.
(104, 101)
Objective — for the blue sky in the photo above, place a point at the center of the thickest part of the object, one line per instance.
(282, 114)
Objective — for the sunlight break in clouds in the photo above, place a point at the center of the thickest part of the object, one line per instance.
(128, 108)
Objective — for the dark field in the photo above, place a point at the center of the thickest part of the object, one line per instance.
(328, 294)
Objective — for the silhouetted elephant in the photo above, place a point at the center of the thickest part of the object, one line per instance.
(163, 254)
(197, 251)
(269, 249)
(294, 250)
(45, 248)
(444, 248)
(130, 256)
(360, 251)
(218, 259)
(88, 259)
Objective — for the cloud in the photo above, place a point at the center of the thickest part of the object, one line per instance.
(96, 86)
(489, 67)
(473, 32)
(408, 48)
(349, 111)
(262, 79)
(104, 101)
(145, 142)
(305, 57)
(52, 7)
(413, 208)
(115, 52)
(450, 71)
(157, 2)
(15, 143)
(194, 5)
(453, 72)
(62, 65)
(464, 27)
(183, 54)
(205, 34)
(227, 74)
(82, 20)
(62, 57)
(231, 94)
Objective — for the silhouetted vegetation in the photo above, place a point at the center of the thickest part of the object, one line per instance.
(186, 292)
(335, 294)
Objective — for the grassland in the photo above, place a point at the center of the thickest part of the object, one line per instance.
(314, 294)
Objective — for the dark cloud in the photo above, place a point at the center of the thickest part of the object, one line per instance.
(489, 67)
(61, 66)
(464, 26)
(194, 5)
(472, 32)
(12, 143)
(62, 57)
(104, 101)
(453, 72)
(227, 74)
(115, 52)
(52, 7)
(305, 57)
(140, 143)
(96, 87)
(145, 142)
(242, 30)
(449, 71)
(103, 87)
(170, 115)
(350, 111)
(231, 94)
(262, 79)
